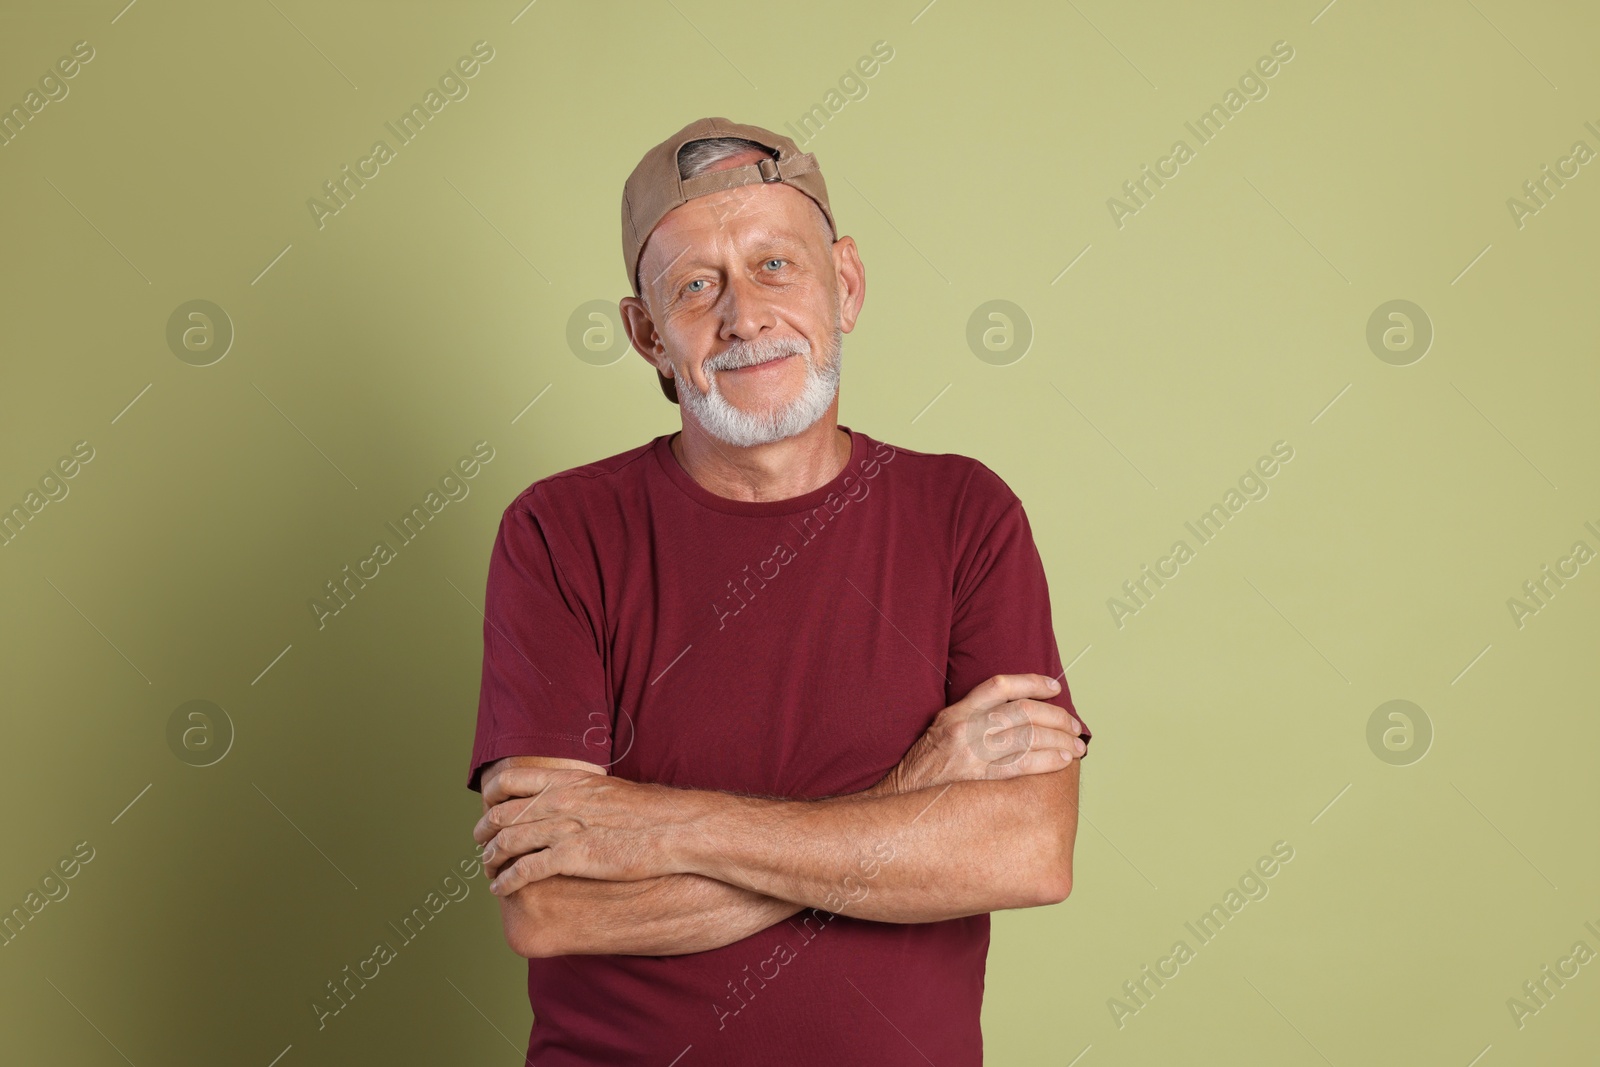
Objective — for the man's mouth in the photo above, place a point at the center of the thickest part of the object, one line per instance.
(774, 361)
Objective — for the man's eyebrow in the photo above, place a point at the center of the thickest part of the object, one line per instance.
(686, 261)
(777, 234)
(663, 271)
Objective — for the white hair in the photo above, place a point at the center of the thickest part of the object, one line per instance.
(744, 429)
(697, 157)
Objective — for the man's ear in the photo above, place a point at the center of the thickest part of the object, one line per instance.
(642, 334)
(852, 281)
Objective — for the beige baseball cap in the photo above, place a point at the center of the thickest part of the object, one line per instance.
(654, 188)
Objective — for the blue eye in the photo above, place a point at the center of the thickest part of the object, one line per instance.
(775, 259)
(697, 281)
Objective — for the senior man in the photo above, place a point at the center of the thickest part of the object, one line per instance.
(772, 714)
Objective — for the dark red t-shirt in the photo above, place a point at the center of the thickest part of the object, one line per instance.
(791, 648)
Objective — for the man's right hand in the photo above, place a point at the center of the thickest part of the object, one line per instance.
(1002, 729)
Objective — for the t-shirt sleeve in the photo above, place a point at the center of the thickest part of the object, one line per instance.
(543, 690)
(1001, 622)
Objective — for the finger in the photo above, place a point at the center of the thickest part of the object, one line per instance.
(526, 870)
(516, 841)
(1035, 761)
(509, 813)
(1019, 712)
(1007, 743)
(1007, 687)
(520, 782)
(1041, 714)
(497, 860)
(502, 858)
(496, 790)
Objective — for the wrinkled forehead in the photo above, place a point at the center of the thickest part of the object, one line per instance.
(730, 215)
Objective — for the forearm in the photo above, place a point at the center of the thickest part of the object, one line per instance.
(669, 915)
(939, 853)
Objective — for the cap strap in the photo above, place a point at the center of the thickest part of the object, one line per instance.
(717, 180)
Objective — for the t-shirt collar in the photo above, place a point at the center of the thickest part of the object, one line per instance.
(679, 477)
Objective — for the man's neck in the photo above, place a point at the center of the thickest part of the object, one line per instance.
(777, 471)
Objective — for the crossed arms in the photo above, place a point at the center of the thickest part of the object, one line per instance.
(980, 815)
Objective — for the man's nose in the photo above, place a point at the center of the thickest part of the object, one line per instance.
(745, 309)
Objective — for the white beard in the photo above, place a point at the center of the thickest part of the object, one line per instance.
(743, 429)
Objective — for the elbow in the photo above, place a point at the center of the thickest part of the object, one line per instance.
(1053, 875)
(538, 948)
(1048, 882)
(1056, 888)
(520, 940)
(533, 944)
(529, 935)
(528, 945)
(1039, 888)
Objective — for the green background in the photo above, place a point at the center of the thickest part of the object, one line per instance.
(1229, 313)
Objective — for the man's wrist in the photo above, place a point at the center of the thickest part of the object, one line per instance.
(703, 829)
(686, 823)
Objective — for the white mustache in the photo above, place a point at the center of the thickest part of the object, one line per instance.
(751, 353)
